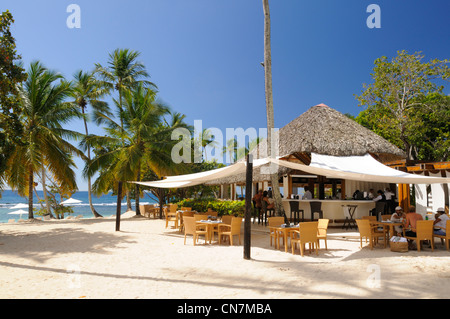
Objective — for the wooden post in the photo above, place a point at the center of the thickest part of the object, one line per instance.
(248, 207)
(119, 205)
(403, 196)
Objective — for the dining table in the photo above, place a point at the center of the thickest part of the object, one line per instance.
(285, 231)
(210, 224)
(385, 224)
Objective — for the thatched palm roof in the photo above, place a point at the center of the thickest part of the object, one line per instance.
(322, 130)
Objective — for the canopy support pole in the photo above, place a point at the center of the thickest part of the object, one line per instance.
(119, 205)
(248, 207)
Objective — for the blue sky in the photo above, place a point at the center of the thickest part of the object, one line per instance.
(205, 55)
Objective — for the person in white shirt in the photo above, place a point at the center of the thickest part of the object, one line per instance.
(398, 216)
(308, 194)
(389, 199)
(440, 222)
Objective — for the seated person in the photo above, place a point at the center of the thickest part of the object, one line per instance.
(269, 200)
(410, 223)
(398, 216)
(440, 222)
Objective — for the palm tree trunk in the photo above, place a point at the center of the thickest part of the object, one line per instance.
(137, 191)
(30, 193)
(269, 109)
(94, 212)
(127, 191)
(44, 189)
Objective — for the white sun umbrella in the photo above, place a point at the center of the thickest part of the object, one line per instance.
(18, 212)
(19, 206)
(71, 201)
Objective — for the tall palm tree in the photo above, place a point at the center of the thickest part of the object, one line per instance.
(44, 111)
(123, 73)
(87, 91)
(231, 148)
(269, 107)
(144, 143)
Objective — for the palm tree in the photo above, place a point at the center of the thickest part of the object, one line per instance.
(269, 107)
(123, 73)
(231, 148)
(87, 91)
(144, 143)
(43, 139)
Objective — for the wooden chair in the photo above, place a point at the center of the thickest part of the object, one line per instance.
(295, 210)
(273, 223)
(172, 215)
(213, 214)
(226, 219)
(369, 232)
(322, 231)
(307, 233)
(190, 228)
(182, 215)
(199, 217)
(447, 235)
(373, 218)
(424, 231)
(186, 208)
(316, 208)
(231, 230)
(385, 217)
(188, 213)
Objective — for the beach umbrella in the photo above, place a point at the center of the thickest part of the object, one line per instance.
(71, 201)
(19, 206)
(18, 212)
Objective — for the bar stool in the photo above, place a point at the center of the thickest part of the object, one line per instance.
(294, 205)
(350, 222)
(316, 207)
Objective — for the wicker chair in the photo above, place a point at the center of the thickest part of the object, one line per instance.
(370, 233)
(447, 235)
(424, 231)
(307, 233)
(231, 230)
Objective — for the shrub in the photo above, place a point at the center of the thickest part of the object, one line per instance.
(222, 207)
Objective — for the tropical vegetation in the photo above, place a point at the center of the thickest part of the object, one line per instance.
(405, 104)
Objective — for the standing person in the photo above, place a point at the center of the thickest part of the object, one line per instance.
(440, 222)
(389, 200)
(371, 194)
(380, 197)
(308, 194)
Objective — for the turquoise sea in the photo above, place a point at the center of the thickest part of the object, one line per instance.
(105, 205)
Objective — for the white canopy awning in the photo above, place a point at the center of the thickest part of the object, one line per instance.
(359, 168)
(202, 177)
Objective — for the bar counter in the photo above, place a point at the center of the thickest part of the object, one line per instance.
(333, 209)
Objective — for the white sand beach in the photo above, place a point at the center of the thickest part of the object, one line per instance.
(73, 259)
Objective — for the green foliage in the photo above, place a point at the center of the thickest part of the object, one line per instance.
(400, 106)
(222, 207)
(11, 75)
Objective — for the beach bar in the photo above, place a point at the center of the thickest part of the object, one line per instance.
(334, 157)
(328, 152)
